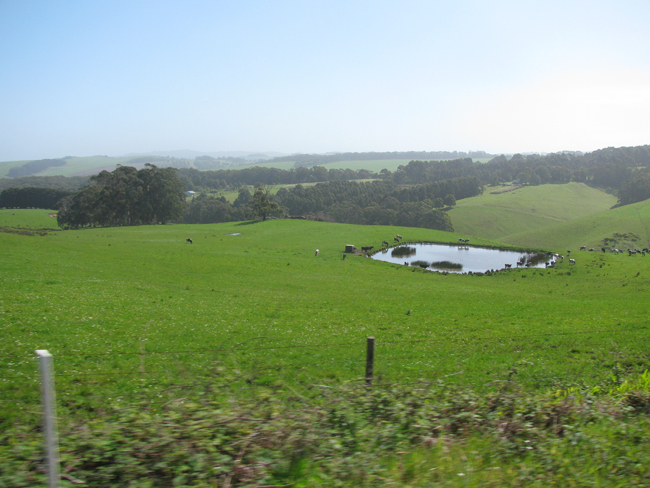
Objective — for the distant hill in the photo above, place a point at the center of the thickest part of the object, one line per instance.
(623, 227)
(190, 154)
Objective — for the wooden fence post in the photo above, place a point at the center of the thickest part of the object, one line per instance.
(49, 417)
(370, 360)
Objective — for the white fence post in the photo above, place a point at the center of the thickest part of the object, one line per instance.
(49, 411)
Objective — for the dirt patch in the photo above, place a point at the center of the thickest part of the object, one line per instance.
(27, 232)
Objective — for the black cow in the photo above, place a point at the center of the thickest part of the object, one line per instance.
(188, 240)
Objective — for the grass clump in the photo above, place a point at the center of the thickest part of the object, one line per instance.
(403, 252)
(447, 265)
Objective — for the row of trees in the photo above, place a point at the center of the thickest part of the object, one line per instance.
(32, 197)
(126, 197)
(34, 167)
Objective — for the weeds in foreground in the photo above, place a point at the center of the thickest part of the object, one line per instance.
(437, 435)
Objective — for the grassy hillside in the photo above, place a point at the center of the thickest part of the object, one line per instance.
(5, 166)
(72, 167)
(623, 227)
(120, 289)
(496, 216)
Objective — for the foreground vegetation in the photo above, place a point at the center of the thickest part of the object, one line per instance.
(352, 436)
(161, 345)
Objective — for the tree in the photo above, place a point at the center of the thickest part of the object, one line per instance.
(261, 205)
(243, 197)
(449, 200)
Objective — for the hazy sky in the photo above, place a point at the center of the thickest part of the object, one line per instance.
(113, 77)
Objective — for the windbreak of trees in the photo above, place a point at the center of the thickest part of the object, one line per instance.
(126, 197)
(381, 202)
(309, 160)
(32, 197)
(258, 176)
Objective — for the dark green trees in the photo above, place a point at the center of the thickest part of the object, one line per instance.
(449, 200)
(31, 197)
(634, 190)
(126, 197)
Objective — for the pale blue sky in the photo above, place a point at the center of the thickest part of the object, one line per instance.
(113, 77)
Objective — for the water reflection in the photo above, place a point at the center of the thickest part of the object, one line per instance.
(462, 258)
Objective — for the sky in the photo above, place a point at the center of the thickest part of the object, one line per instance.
(117, 77)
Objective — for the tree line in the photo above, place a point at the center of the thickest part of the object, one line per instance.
(32, 197)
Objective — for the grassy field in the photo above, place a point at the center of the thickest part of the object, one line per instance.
(527, 209)
(89, 296)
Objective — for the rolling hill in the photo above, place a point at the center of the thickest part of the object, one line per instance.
(526, 209)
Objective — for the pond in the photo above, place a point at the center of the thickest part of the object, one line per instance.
(459, 258)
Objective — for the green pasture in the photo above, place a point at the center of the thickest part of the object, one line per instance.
(137, 310)
(527, 209)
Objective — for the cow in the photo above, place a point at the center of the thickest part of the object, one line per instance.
(188, 240)
(508, 265)
(399, 236)
(367, 248)
(583, 248)
(317, 251)
(344, 256)
(572, 261)
(385, 243)
(395, 239)
(460, 239)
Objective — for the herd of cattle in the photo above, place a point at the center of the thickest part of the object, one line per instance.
(630, 252)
